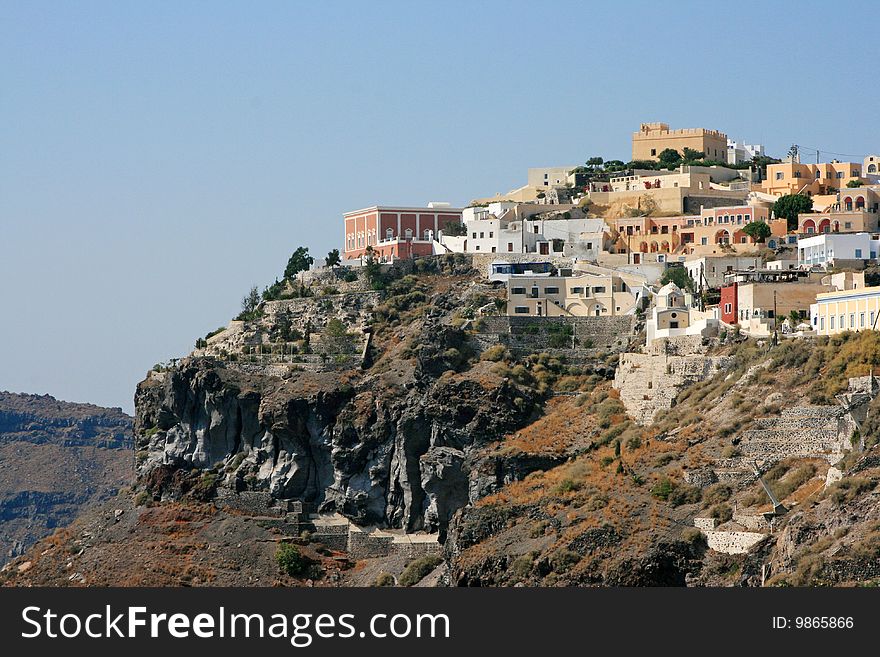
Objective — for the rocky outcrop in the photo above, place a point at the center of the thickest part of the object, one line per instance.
(390, 455)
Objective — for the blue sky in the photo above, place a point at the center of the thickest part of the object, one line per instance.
(158, 158)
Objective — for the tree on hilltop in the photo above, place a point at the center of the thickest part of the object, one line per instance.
(299, 261)
(333, 258)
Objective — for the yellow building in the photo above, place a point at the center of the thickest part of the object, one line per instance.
(810, 179)
(654, 138)
(846, 310)
(580, 295)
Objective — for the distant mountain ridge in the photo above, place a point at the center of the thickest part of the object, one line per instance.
(55, 459)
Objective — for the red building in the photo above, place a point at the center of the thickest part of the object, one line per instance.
(396, 232)
(728, 305)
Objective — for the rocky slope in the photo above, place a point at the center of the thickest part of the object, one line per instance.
(526, 465)
(57, 459)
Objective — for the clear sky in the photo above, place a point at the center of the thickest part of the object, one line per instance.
(158, 158)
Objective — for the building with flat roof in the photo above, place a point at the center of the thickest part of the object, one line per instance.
(846, 310)
(654, 138)
(810, 179)
(397, 232)
(837, 249)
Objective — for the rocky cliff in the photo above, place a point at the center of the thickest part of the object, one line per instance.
(528, 466)
(58, 458)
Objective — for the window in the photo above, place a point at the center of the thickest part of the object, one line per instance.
(551, 290)
(491, 234)
(852, 320)
(599, 290)
(821, 323)
(482, 235)
(847, 224)
(653, 151)
(872, 319)
(831, 319)
(839, 174)
(818, 175)
(493, 249)
(536, 230)
(521, 310)
(389, 233)
(477, 247)
(408, 233)
(704, 241)
(797, 174)
(779, 175)
(841, 323)
(517, 290)
(727, 308)
(577, 290)
(862, 320)
(510, 246)
(858, 254)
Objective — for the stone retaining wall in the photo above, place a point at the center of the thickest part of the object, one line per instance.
(527, 335)
(732, 542)
(650, 382)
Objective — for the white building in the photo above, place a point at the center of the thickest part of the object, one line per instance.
(671, 316)
(504, 227)
(738, 152)
(829, 248)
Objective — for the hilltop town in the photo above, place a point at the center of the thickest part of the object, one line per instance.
(654, 372)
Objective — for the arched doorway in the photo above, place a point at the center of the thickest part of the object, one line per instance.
(825, 226)
(722, 237)
(809, 226)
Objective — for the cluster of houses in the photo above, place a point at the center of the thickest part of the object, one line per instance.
(571, 244)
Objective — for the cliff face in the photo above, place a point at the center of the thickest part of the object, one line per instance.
(387, 448)
(59, 458)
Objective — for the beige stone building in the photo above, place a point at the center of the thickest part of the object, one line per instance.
(653, 138)
(810, 179)
(581, 294)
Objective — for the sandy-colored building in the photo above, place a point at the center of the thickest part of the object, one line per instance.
(871, 165)
(810, 179)
(653, 138)
(580, 294)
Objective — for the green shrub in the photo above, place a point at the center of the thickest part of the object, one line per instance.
(384, 579)
(562, 560)
(717, 493)
(494, 354)
(291, 561)
(849, 488)
(417, 570)
(721, 512)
